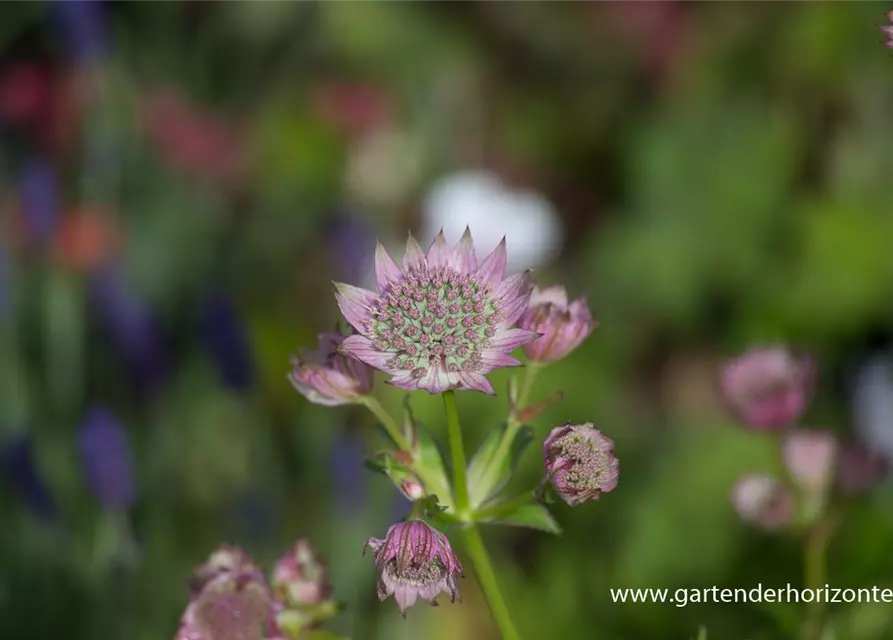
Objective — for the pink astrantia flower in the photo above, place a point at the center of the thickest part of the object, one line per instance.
(580, 463)
(440, 322)
(859, 469)
(761, 500)
(768, 388)
(327, 377)
(887, 30)
(810, 457)
(564, 326)
(300, 577)
(415, 561)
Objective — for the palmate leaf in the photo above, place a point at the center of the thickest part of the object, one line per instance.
(487, 475)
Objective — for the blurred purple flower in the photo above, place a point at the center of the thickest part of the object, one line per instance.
(82, 27)
(350, 239)
(761, 500)
(105, 455)
(40, 200)
(859, 469)
(226, 342)
(129, 323)
(348, 477)
(20, 468)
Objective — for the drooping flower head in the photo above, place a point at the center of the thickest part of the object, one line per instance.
(768, 388)
(762, 501)
(328, 377)
(580, 463)
(442, 321)
(415, 561)
(564, 326)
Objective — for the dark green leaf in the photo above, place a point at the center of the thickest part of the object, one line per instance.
(533, 516)
(489, 471)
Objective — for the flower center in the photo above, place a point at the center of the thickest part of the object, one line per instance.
(434, 317)
(418, 575)
(590, 464)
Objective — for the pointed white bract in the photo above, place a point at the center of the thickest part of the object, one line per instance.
(441, 322)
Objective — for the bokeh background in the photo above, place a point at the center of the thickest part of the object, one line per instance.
(180, 182)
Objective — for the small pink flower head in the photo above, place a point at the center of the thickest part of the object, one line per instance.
(887, 30)
(231, 601)
(300, 577)
(564, 326)
(762, 501)
(768, 388)
(810, 458)
(441, 321)
(580, 463)
(859, 469)
(415, 561)
(328, 377)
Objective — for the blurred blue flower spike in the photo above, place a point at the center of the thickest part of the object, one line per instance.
(348, 477)
(20, 469)
(226, 342)
(105, 455)
(40, 201)
(130, 326)
(82, 28)
(350, 237)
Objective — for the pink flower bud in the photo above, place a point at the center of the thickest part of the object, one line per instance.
(328, 377)
(300, 577)
(563, 326)
(809, 457)
(768, 388)
(580, 463)
(762, 501)
(859, 469)
(415, 560)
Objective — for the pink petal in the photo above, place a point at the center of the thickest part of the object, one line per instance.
(437, 380)
(361, 348)
(404, 380)
(556, 294)
(495, 358)
(355, 303)
(414, 256)
(492, 269)
(386, 270)
(513, 311)
(508, 339)
(439, 253)
(579, 310)
(477, 382)
(511, 288)
(466, 260)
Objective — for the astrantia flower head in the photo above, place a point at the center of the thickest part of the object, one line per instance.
(887, 30)
(761, 500)
(300, 577)
(440, 322)
(580, 463)
(768, 388)
(415, 561)
(564, 326)
(809, 456)
(327, 377)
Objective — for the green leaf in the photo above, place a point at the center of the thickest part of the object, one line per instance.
(532, 515)
(702, 633)
(430, 467)
(489, 471)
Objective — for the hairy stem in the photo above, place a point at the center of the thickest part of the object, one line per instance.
(483, 568)
(457, 452)
(386, 421)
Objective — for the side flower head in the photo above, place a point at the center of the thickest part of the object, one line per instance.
(300, 577)
(809, 456)
(580, 463)
(328, 377)
(415, 560)
(563, 326)
(762, 501)
(441, 321)
(768, 388)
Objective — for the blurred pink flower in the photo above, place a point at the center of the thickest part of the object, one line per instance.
(415, 560)
(563, 326)
(300, 578)
(441, 322)
(761, 500)
(859, 469)
(768, 388)
(580, 463)
(328, 377)
(887, 30)
(355, 109)
(810, 457)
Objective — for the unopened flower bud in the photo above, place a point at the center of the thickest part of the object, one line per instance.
(809, 457)
(563, 326)
(300, 577)
(580, 463)
(762, 501)
(415, 560)
(768, 388)
(328, 377)
(859, 469)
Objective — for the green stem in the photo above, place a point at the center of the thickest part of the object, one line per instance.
(815, 573)
(457, 452)
(483, 567)
(387, 422)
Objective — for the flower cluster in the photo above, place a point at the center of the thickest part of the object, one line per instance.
(231, 599)
(768, 390)
(580, 463)
(887, 30)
